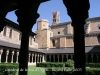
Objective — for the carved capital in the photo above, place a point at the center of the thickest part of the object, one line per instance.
(17, 53)
(12, 52)
(7, 52)
(32, 54)
(1, 51)
(27, 13)
(29, 54)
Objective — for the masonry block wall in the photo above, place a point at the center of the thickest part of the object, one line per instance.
(13, 36)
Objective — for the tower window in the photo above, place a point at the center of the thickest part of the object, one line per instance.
(58, 32)
(10, 34)
(53, 42)
(54, 16)
(54, 20)
(5, 29)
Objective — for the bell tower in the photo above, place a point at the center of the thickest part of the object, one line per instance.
(55, 17)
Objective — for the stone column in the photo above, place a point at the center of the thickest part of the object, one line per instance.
(7, 52)
(40, 58)
(71, 56)
(35, 58)
(29, 57)
(97, 58)
(92, 57)
(54, 57)
(67, 57)
(17, 56)
(62, 57)
(86, 57)
(49, 58)
(27, 16)
(12, 56)
(32, 57)
(58, 58)
(43, 58)
(1, 51)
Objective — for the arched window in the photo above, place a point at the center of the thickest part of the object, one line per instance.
(53, 42)
(4, 32)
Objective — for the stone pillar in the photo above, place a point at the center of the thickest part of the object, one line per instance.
(54, 57)
(17, 56)
(32, 57)
(7, 52)
(86, 57)
(1, 51)
(45, 58)
(67, 56)
(62, 57)
(49, 58)
(71, 56)
(29, 57)
(12, 56)
(35, 58)
(92, 57)
(58, 58)
(97, 58)
(40, 58)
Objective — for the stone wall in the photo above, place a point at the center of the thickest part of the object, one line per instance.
(62, 29)
(15, 37)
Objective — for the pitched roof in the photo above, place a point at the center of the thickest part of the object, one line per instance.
(16, 46)
(88, 49)
(15, 25)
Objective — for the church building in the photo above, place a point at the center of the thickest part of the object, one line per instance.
(51, 43)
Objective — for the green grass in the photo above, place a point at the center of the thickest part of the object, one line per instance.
(32, 70)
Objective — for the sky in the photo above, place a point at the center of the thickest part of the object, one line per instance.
(45, 10)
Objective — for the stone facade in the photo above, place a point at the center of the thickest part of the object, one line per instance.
(62, 31)
(52, 43)
(15, 36)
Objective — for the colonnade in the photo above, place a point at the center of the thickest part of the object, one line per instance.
(12, 56)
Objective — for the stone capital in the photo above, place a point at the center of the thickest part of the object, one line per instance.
(1, 51)
(29, 54)
(7, 52)
(12, 52)
(17, 53)
(32, 54)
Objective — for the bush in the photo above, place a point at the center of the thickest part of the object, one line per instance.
(69, 63)
(8, 68)
(93, 65)
(50, 64)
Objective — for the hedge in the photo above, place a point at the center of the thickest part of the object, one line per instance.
(65, 64)
(67, 71)
(8, 68)
(93, 65)
(49, 64)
